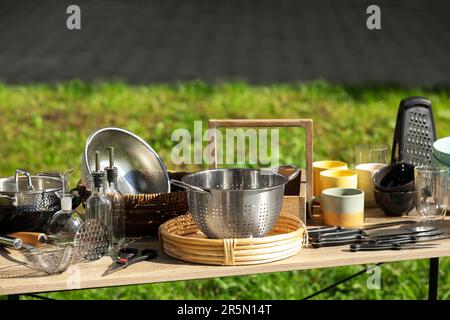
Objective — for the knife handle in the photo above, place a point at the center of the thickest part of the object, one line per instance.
(338, 234)
(374, 247)
(355, 237)
(333, 243)
(320, 230)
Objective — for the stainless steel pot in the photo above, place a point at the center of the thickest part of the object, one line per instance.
(236, 203)
(27, 202)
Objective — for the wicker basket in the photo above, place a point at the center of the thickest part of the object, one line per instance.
(144, 213)
(181, 239)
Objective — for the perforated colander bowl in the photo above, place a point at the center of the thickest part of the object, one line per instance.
(140, 170)
(236, 203)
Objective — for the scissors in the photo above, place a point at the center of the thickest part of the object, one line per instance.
(128, 256)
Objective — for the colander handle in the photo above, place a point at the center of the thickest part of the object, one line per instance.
(188, 186)
(293, 175)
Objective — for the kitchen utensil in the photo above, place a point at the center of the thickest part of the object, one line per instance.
(65, 221)
(365, 173)
(388, 246)
(371, 153)
(319, 166)
(31, 238)
(92, 240)
(431, 183)
(98, 205)
(337, 230)
(129, 256)
(436, 162)
(414, 132)
(139, 168)
(395, 236)
(395, 204)
(117, 204)
(15, 243)
(441, 150)
(338, 179)
(236, 203)
(342, 207)
(395, 178)
(144, 213)
(375, 235)
(50, 259)
(27, 202)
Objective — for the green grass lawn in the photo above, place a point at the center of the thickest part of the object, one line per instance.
(44, 127)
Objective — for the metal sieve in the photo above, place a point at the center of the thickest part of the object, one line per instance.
(139, 168)
(236, 203)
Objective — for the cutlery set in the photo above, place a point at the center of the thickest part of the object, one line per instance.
(377, 237)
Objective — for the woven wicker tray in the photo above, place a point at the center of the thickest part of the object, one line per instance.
(181, 239)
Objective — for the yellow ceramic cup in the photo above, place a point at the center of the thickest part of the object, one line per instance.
(365, 181)
(320, 166)
(338, 179)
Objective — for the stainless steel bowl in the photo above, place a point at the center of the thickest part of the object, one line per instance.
(236, 203)
(140, 170)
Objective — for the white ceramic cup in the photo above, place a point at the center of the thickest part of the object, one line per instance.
(365, 181)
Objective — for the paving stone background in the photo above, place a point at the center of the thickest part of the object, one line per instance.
(260, 41)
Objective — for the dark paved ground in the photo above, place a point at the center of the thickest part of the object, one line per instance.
(261, 41)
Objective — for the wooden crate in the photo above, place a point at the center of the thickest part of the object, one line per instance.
(298, 192)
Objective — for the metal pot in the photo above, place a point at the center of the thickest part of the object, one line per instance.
(236, 203)
(27, 202)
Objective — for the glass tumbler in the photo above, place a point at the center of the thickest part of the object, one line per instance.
(371, 153)
(431, 184)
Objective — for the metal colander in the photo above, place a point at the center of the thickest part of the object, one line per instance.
(139, 168)
(236, 203)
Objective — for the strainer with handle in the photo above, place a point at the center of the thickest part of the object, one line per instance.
(236, 203)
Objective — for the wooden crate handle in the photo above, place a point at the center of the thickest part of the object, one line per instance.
(213, 124)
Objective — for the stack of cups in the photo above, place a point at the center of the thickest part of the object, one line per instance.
(344, 193)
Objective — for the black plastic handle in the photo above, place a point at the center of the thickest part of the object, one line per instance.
(145, 255)
(374, 247)
(338, 234)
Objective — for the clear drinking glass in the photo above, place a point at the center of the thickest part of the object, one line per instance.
(431, 183)
(371, 153)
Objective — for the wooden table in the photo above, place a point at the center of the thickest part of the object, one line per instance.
(164, 268)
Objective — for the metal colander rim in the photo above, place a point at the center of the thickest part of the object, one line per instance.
(268, 171)
(142, 141)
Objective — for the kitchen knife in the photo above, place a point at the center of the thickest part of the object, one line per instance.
(336, 230)
(388, 246)
(390, 238)
(370, 233)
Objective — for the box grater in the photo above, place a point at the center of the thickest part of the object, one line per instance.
(414, 132)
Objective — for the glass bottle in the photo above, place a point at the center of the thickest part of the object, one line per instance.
(65, 222)
(117, 213)
(98, 205)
